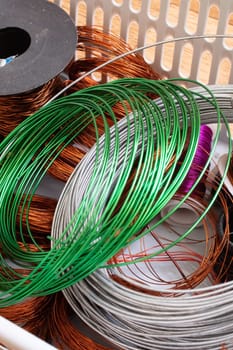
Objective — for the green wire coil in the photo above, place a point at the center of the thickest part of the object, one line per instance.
(97, 214)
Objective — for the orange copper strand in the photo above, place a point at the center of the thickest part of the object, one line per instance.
(15, 108)
(31, 315)
(49, 319)
(64, 334)
(38, 216)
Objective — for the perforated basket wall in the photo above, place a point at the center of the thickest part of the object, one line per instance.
(142, 22)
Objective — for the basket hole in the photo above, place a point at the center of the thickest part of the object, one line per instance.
(115, 24)
(228, 42)
(135, 5)
(212, 22)
(150, 38)
(186, 60)
(192, 16)
(167, 54)
(117, 3)
(224, 71)
(154, 9)
(204, 67)
(82, 13)
(132, 34)
(98, 17)
(97, 76)
(65, 5)
(173, 13)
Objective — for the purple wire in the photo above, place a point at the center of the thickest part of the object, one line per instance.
(200, 159)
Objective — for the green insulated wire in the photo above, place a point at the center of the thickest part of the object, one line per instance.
(115, 191)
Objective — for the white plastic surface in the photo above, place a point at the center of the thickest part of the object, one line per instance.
(16, 338)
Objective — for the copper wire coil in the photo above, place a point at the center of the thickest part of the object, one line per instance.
(63, 166)
(38, 214)
(33, 248)
(99, 47)
(15, 108)
(64, 334)
(14, 273)
(31, 315)
(33, 225)
(49, 318)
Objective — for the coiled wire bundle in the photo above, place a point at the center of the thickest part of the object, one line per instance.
(157, 130)
(137, 315)
(98, 214)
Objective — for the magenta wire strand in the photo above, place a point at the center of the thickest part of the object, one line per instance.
(200, 159)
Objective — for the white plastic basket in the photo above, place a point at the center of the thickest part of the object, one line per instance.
(142, 22)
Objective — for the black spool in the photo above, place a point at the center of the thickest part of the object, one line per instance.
(43, 38)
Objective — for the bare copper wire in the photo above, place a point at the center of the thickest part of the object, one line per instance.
(38, 215)
(15, 108)
(50, 318)
(98, 48)
(64, 165)
(64, 333)
(205, 264)
(31, 315)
